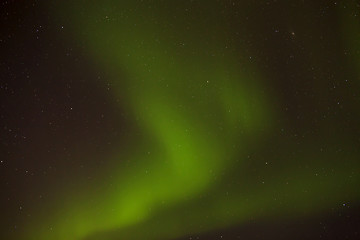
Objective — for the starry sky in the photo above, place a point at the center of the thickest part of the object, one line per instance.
(174, 120)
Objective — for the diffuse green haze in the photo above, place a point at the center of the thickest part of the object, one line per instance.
(202, 110)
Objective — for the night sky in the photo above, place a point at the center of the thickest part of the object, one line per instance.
(175, 120)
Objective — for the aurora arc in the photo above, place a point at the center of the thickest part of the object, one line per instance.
(200, 112)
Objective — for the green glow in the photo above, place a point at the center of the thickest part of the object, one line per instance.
(199, 114)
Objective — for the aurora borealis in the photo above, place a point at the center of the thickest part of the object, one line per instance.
(172, 120)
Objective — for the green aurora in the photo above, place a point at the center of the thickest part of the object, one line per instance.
(206, 121)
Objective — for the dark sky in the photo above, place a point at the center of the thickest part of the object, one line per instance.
(179, 120)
